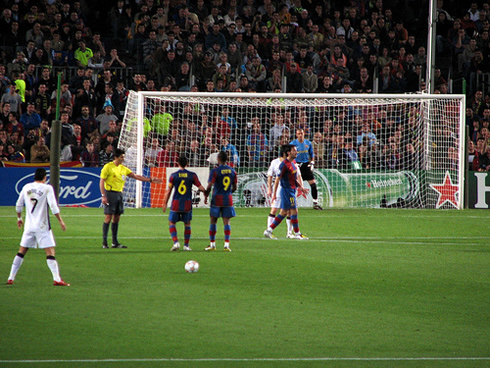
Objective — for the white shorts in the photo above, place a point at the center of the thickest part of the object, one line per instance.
(276, 203)
(38, 239)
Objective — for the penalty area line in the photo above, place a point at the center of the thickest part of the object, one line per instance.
(35, 361)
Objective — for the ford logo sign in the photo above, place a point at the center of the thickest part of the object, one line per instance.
(77, 187)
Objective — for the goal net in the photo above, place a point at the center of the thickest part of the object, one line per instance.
(371, 151)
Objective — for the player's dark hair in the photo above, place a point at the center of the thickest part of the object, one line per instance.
(222, 157)
(40, 174)
(119, 152)
(287, 148)
(283, 149)
(183, 161)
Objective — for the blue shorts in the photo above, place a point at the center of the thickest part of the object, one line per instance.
(226, 212)
(288, 199)
(175, 217)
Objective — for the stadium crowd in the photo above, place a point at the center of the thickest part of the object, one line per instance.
(359, 46)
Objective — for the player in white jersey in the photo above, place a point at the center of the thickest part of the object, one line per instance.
(272, 174)
(36, 197)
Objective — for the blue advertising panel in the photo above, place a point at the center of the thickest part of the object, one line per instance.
(78, 186)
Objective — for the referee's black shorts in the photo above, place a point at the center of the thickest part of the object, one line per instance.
(306, 172)
(115, 204)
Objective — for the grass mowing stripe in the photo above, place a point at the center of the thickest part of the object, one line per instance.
(250, 359)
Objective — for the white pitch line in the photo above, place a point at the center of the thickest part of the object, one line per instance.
(33, 361)
(304, 215)
(464, 241)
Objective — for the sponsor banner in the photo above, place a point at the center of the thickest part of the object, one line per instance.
(78, 187)
(479, 190)
(402, 189)
(336, 189)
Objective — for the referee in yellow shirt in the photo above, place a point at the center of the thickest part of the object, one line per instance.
(112, 179)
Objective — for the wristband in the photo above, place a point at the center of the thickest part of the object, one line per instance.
(103, 195)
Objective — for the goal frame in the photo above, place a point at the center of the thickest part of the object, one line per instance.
(427, 98)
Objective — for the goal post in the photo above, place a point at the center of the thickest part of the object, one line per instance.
(371, 151)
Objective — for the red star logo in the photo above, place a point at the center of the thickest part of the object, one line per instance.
(447, 191)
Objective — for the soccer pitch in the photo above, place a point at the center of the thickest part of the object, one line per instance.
(371, 288)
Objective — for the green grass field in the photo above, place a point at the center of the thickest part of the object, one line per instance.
(371, 288)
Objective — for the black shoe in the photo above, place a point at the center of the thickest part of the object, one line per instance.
(118, 245)
(317, 207)
(105, 246)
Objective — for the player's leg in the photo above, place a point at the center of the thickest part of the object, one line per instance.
(314, 194)
(172, 228)
(118, 210)
(214, 213)
(228, 213)
(272, 216)
(290, 233)
(295, 224)
(307, 175)
(105, 230)
(187, 234)
(115, 229)
(109, 211)
(17, 262)
(46, 242)
(285, 205)
(294, 220)
(275, 223)
(227, 233)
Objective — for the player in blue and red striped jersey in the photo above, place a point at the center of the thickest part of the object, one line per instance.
(181, 206)
(288, 177)
(224, 180)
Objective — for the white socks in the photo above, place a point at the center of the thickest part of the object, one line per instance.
(15, 266)
(53, 266)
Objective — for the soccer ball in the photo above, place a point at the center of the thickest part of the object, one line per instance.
(191, 266)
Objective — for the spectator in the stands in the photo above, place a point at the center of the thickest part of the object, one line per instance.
(106, 155)
(14, 126)
(104, 118)
(13, 98)
(115, 60)
(83, 54)
(40, 151)
(85, 97)
(42, 101)
(89, 157)
(87, 122)
(30, 119)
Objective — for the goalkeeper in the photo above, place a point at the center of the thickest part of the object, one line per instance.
(306, 160)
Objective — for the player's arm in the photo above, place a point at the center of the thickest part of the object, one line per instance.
(312, 154)
(299, 182)
(276, 184)
(269, 186)
(167, 196)
(19, 217)
(198, 184)
(62, 223)
(207, 191)
(102, 191)
(19, 206)
(144, 178)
